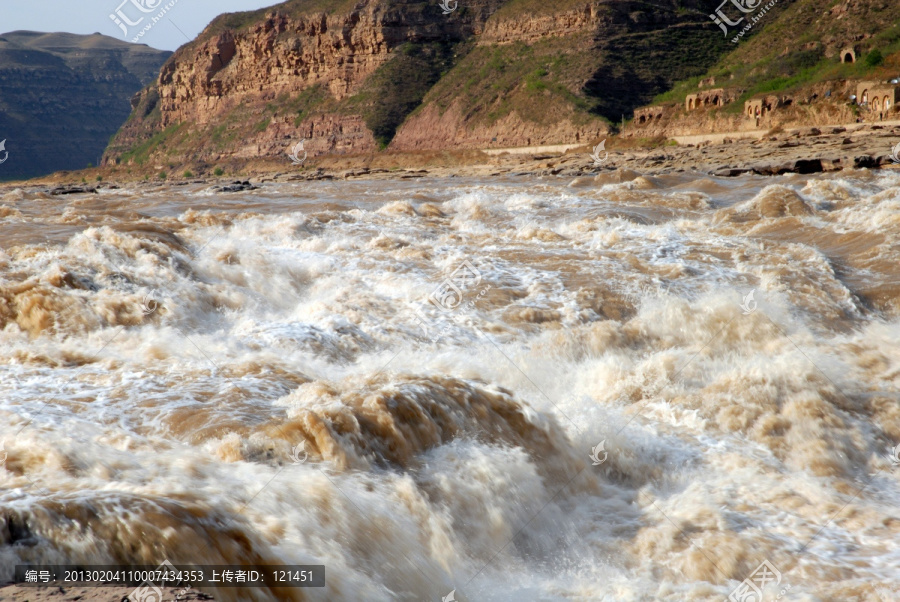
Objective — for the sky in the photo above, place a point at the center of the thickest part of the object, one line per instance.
(180, 23)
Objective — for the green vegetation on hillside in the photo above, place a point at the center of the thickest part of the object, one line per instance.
(140, 153)
(539, 81)
(638, 67)
(399, 86)
(763, 63)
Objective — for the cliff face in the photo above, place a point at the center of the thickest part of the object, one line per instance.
(560, 74)
(64, 95)
(253, 85)
(360, 77)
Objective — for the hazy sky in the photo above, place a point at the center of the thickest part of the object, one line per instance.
(90, 16)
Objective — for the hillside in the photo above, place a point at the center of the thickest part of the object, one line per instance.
(399, 74)
(64, 95)
(803, 60)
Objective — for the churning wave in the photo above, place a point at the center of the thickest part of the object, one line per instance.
(626, 389)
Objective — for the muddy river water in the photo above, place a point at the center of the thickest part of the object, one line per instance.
(505, 389)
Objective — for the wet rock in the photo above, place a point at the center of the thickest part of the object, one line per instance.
(616, 177)
(236, 186)
(865, 161)
(581, 182)
(800, 166)
(805, 166)
(832, 164)
(730, 172)
(73, 190)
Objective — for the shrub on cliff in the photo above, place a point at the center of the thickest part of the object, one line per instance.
(874, 58)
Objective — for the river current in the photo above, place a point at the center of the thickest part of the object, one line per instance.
(623, 388)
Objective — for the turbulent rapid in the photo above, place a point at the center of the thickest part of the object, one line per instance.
(621, 388)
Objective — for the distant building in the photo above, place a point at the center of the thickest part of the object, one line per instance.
(648, 115)
(758, 108)
(717, 97)
(862, 91)
(877, 97)
(848, 55)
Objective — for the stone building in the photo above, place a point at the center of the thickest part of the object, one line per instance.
(647, 115)
(862, 91)
(877, 97)
(717, 97)
(848, 55)
(760, 107)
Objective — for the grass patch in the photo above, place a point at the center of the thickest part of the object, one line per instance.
(398, 87)
(141, 153)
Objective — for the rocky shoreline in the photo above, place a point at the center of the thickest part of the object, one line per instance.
(802, 150)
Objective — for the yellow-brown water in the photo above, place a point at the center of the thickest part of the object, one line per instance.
(166, 354)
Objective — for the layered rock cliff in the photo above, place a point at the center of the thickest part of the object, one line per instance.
(401, 74)
(63, 95)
